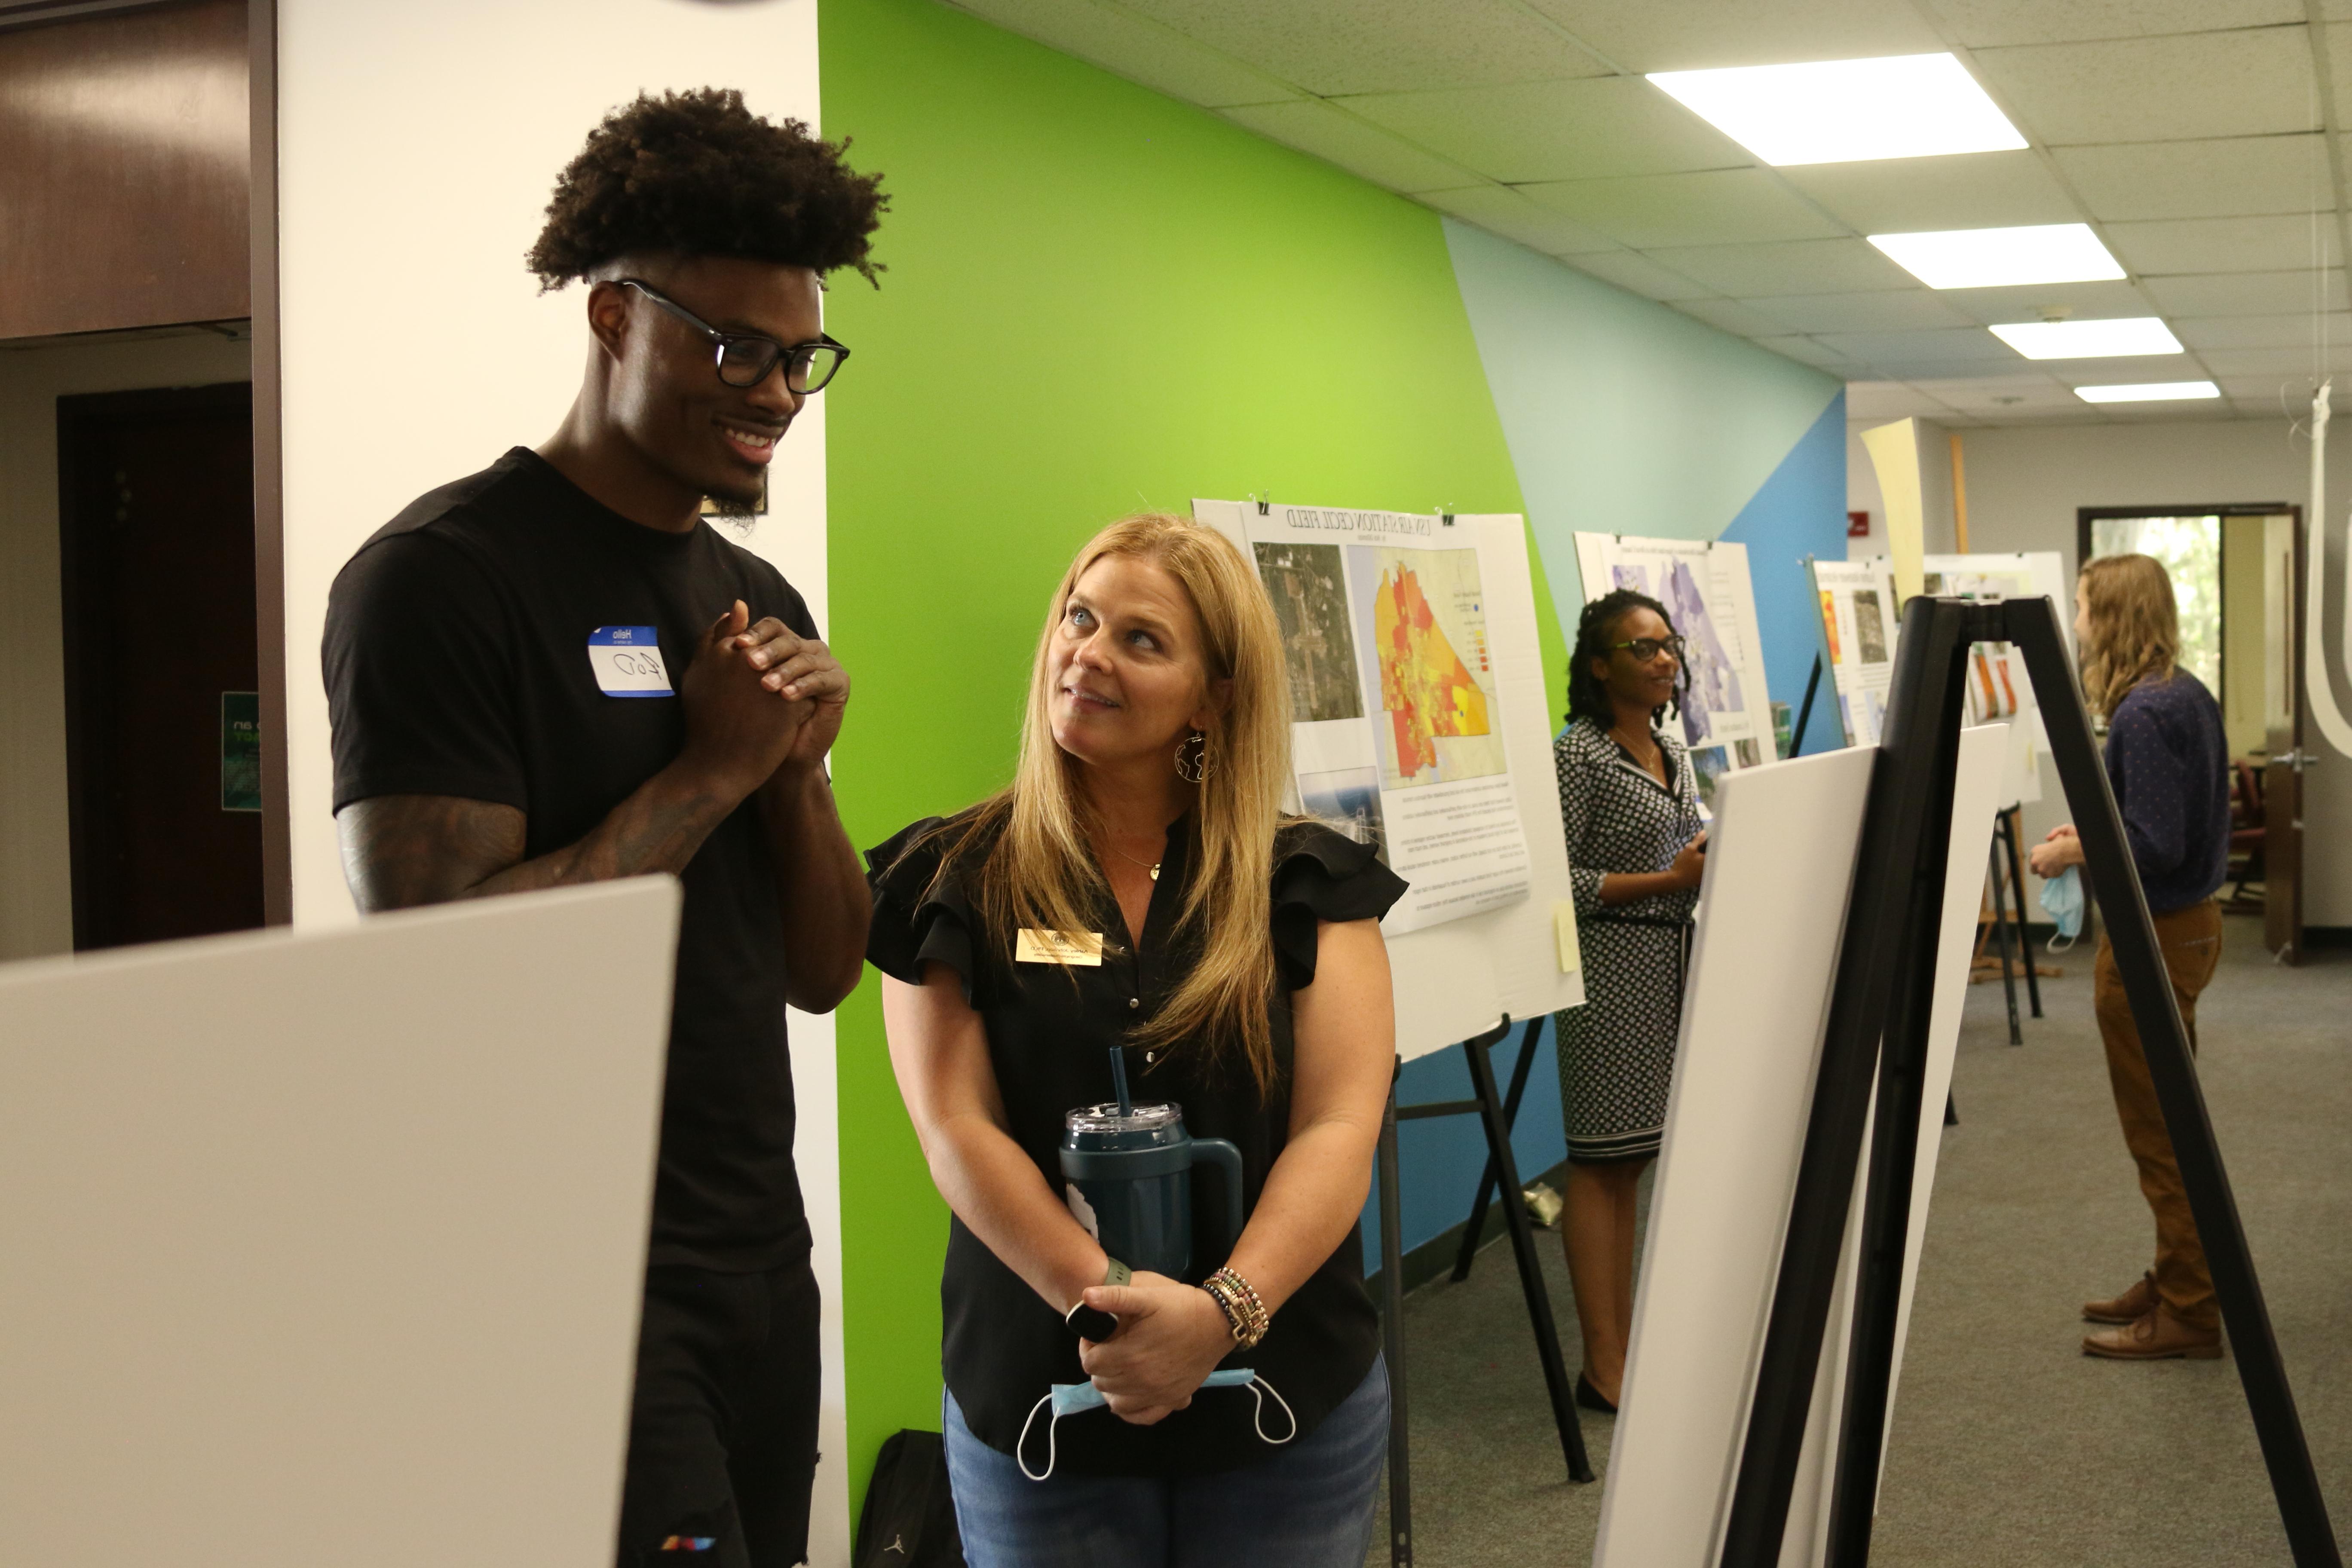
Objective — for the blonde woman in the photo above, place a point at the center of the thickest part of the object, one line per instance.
(1242, 975)
(2168, 758)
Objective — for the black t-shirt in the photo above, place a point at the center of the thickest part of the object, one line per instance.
(457, 663)
(1049, 1042)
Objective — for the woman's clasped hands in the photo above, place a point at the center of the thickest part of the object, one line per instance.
(1171, 1336)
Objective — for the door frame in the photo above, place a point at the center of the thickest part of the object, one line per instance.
(78, 415)
(268, 484)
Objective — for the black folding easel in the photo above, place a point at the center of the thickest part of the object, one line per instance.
(1496, 1118)
(1877, 1026)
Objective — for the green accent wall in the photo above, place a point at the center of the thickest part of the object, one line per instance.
(1098, 299)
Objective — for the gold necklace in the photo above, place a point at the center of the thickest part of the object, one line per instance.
(1152, 867)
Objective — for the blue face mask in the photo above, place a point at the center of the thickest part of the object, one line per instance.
(2062, 898)
(1072, 1398)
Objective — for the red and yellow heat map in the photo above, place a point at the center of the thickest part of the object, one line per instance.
(1426, 687)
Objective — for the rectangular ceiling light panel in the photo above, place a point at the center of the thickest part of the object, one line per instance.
(2148, 392)
(1846, 111)
(2089, 339)
(2002, 257)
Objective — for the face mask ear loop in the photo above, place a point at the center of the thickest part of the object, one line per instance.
(1258, 1419)
(1021, 1458)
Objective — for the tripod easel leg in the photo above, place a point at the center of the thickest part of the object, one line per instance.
(2010, 834)
(1393, 1335)
(1473, 1231)
(2001, 931)
(1523, 1245)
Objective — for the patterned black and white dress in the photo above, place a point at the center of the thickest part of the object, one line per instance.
(1617, 1051)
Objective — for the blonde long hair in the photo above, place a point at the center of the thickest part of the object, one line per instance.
(2133, 625)
(1040, 871)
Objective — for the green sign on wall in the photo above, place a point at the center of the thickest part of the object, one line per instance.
(240, 750)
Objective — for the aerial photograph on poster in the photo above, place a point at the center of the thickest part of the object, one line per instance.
(1425, 614)
(1309, 592)
(1869, 626)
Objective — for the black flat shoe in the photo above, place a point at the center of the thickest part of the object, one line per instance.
(1590, 1397)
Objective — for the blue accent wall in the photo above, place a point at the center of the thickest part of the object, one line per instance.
(1799, 511)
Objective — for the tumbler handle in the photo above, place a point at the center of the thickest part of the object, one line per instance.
(1228, 1161)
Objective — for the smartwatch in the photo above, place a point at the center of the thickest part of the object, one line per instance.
(1092, 1322)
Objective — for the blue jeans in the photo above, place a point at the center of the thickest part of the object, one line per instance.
(1307, 1506)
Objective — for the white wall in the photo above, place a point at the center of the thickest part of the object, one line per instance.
(35, 851)
(2025, 483)
(417, 146)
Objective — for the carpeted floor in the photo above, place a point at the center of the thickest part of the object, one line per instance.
(2008, 1447)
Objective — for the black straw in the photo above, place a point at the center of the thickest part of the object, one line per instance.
(1119, 1080)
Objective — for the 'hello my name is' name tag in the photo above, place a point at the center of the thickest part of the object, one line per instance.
(1082, 948)
(627, 662)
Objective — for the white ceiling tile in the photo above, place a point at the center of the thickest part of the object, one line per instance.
(1556, 129)
(1897, 368)
(2087, 301)
(1995, 396)
(1732, 317)
(1630, 269)
(1805, 351)
(1379, 46)
(1984, 23)
(1966, 190)
(1949, 345)
(1788, 267)
(1875, 401)
(1883, 311)
(2286, 393)
(2201, 85)
(1135, 47)
(1512, 215)
(2262, 332)
(2340, 61)
(2246, 293)
(2286, 362)
(1719, 207)
(2244, 174)
(2127, 367)
(2222, 243)
(1696, 34)
(1357, 146)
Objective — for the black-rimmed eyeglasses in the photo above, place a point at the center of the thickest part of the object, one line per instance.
(1644, 649)
(744, 359)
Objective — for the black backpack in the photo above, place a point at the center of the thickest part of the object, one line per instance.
(909, 1519)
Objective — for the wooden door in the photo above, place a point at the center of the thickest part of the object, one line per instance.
(2283, 725)
(163, 745)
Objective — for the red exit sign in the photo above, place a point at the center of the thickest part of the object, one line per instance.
(1857, 525)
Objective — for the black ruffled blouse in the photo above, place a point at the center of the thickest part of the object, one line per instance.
(1049, 1042)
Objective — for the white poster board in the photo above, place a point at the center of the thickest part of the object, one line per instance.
(1456, 976)
(329, 1247)
(1858, 630)
(1771, 917)
(1727, 715)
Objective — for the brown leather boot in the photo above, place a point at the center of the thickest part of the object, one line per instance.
(2128, 1308)
(2157, 1336)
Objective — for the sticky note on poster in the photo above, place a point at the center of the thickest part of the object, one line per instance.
(1563, 936)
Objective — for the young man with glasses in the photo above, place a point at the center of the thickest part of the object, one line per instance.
(555, 671)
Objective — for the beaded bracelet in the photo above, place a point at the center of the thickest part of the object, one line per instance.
(1246, 1314)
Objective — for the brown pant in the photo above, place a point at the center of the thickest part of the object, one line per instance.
(2191, 941)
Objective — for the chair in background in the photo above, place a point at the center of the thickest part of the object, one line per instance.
(2245, 837)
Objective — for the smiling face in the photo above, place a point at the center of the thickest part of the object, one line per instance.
(664, 394)
(1633, 682)
(1127, 673)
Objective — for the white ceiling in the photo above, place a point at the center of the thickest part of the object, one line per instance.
(2199, 137)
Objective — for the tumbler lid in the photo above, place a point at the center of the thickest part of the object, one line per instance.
(1106, 1118)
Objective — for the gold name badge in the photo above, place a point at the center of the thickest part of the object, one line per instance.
(1082, 948)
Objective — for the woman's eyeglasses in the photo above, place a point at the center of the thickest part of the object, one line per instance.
(745, 358)
(1644, 649)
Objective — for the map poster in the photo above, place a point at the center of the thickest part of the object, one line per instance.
(1397, 722)
(1725, 717)
(1858, 630)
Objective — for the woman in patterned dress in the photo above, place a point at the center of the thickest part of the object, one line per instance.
(1636, 847)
